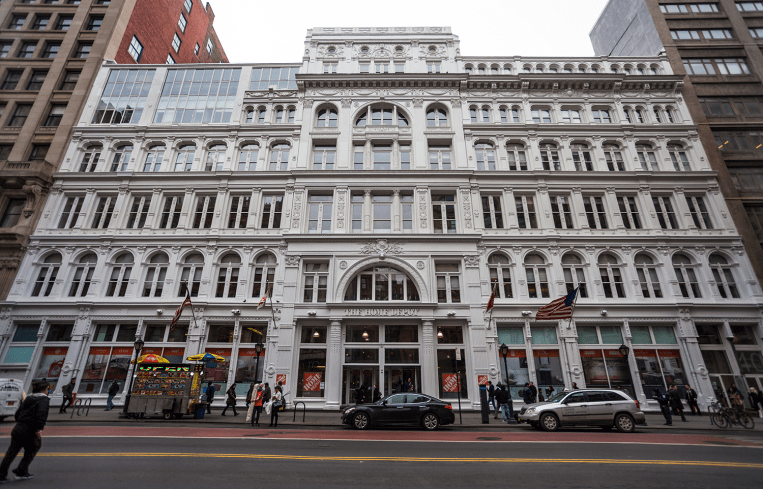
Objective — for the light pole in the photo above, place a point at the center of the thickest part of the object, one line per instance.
(258, 349)
(624, 350)
(138, 347)
(504, 353)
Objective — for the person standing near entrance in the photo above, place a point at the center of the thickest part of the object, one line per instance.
(691, 400)
(675, 402)
(491, 399)
(266, 393)
(408, 386)
(377, 394)
(210, 396)
(31, 418)
(249, 395)
(231, 400)
(275, 407)
(527, 394)
(113, 390)
(663, 401)
(503, 396)
(68, 392)
(533, 392)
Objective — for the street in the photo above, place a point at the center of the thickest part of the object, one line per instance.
(158, 455)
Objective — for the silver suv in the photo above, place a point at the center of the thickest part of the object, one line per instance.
(596, 407)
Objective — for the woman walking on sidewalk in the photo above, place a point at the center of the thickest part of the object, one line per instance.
(231, 402)
(275, 406)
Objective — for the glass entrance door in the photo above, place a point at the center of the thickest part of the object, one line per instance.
(396, 378)
(355, 377)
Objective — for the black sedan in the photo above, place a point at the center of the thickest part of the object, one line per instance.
(398, 409)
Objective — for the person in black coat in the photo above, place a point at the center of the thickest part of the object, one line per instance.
(675, 402)
(527, 394)
(691, 400)
(377, 394)
(533, 391)
(31, 418)
(231, 400)
(210, 396)
(664, 402)
(503, 396)
(360, 394)
(68, 393)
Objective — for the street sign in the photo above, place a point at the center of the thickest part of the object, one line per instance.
(458, 354)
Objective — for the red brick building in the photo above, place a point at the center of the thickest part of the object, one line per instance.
(170, 31)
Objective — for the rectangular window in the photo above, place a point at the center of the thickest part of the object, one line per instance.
(280, 77)
(238, 216)
(526, 212)
(439, 157)
(5, 48)
(135, 49)
(550, 160)
(70, 80)
(176, 43)
(358, 157)
(27, 49)
(12, 213)
(205, 211)
(665, 213)
(139, 212)
(124, 97)
(182, 22)
(271, 211)
(39, 152)
(198, 96)
(311, 372)
(382, 157)
(170, 59)
(316, 282)
(94, 23)
(330, 66)
(595, 213)
(448, 282)
(699, 212)
(560, 208)
(55, 115)
(83, 50)
(324, 157)
(570, 116)
(209, 46)
(36, 80)
(444, 214)
(405, 157)
(695, 8)
(492, 213)
(64, 22)
(196, 49)
(319, 218)
(399, 67)
(433, 66)
(601, 116)
(542, 116)
(171, 212)
(381, 206)
(20, 115)
(41, 22)
(629, 212)
(357, 213)
(407, 207)
(71, 212)
(381, 67)
(103, 212)
(12, 78)
(188, 4)
(17, 22)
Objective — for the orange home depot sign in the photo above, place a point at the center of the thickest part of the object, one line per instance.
(281, 378)
(312, 382)
(482, 379)
(449, 383)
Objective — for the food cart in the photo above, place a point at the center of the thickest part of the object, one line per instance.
(166, 389)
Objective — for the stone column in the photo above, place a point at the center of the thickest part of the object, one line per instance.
(429, 358)
(333, 378)
(367, 210)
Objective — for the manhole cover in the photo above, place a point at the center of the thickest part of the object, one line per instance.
(488, 438)
(718, 442)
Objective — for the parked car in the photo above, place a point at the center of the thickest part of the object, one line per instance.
(11, 393)
(398, 409)
(593, 407)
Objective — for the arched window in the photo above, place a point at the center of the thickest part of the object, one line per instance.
(611, 277)
(193, 267)
(382, 284)
(541, 115)
(247, 158)
(614, 158)
(83, 275)
(184, 158)
(639, 113)
(279, 114)
(154, 158)
(264, 272)
(249, 116)
(120, 275)
(686, 277)
(227, 276)
(156, 273)
(478, 114)
(647, 276)
(678, 157)
(537, 276)
(669, 114)
(581, 156)
(494, 69)
(382, 115)
(647, 157)
(500, 276)
(549, 155)
(279, 157)
(261, 113)
(570, 116)
(485, 157)
(121, 158)
(215, 157)
(327, 118)
(468, 68)
(574, 274)
(724, 278)
(437, 117)
(46, 278)
(90, 158)
(657, 116)
(517, 157)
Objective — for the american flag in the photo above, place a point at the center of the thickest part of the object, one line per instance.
(491, 301)
(179, 311)
(263, 300)
(560, 308)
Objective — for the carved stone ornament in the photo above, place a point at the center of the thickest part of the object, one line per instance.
(343, 265)
(420, 265)
(292, 260)
(472, 260)
(381, 247)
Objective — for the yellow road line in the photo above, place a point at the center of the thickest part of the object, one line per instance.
(698, 463)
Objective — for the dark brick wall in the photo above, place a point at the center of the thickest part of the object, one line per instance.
(155, 23)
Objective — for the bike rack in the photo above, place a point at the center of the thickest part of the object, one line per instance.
(80, 406)
(304, 412)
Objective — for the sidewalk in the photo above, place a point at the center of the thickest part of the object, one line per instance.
(471, 420)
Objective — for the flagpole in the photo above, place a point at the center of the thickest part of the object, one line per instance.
(572, 310)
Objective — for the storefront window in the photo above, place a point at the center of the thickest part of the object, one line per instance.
(361, 355)
(104, 332)
(659, 369)
(716, 361)
(544, 335)
(750, 362)
(253, 333)
(155, 333)
(511, 335)
(708, 335)
(447, 374)
(664, 335)
(178, 335)
(126, 333)
(314, 334)
(606, 369)
(401, 355)
(640, 335)
(63, 332)
(587, 335)
(19, 354)
(220, 333)
(174, 355)
(362, 334)
(611, 335)
(447, 335)
(401, 334)
(548, 368)
(51, 362)
(104, 365)
(248, 370)
(519, 373)
(217, 372)
(743, 335)
(311, 372)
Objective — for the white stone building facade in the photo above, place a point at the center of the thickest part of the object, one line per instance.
(381, 189)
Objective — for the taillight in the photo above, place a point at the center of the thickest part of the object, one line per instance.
(638, 406)
(448, 406)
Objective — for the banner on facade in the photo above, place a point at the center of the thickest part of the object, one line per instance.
(281, 378)
(449, 383)
(517, 354)
(312, 382)
(151, 350)
(482, 380)
(546, 353)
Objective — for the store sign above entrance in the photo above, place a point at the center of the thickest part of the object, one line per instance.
(382, 312)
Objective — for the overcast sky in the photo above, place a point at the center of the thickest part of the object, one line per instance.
(266, 31)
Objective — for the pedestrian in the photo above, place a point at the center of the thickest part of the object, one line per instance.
(575, 386)
(231, 400)
(210, 396)
(503, 396)
(491, 399)
(360, 394)
(266, 393)
(675, 402)
(277, 403)
(691, 400)
(377, 394)
(407, 387)
(113, 390)
(255, 406)
(540, 395)
(756, 400)
(737, 401)
(549, 391)
(68, 392)
(527, 394)
(663, 401)
(533, 391)
(249, 395)
(27, 434)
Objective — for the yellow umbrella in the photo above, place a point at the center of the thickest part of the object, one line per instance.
(206, 357)
(150, 358)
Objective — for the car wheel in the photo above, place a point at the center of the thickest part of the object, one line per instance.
(549, 422)
(361, 421)
(430, 421)
(168, 415)
(625, 423)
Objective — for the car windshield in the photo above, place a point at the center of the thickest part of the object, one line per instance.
(557, 397)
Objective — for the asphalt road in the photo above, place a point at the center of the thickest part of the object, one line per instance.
(131, 462)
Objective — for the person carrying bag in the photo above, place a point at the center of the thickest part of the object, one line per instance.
(276, 404)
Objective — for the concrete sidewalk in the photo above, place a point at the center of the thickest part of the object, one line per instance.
(471, 419)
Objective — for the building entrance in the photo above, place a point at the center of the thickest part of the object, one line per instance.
(355, 377)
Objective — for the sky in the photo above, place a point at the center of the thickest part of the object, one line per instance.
(266, 31)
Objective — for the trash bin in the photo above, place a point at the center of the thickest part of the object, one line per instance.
(201, 409)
